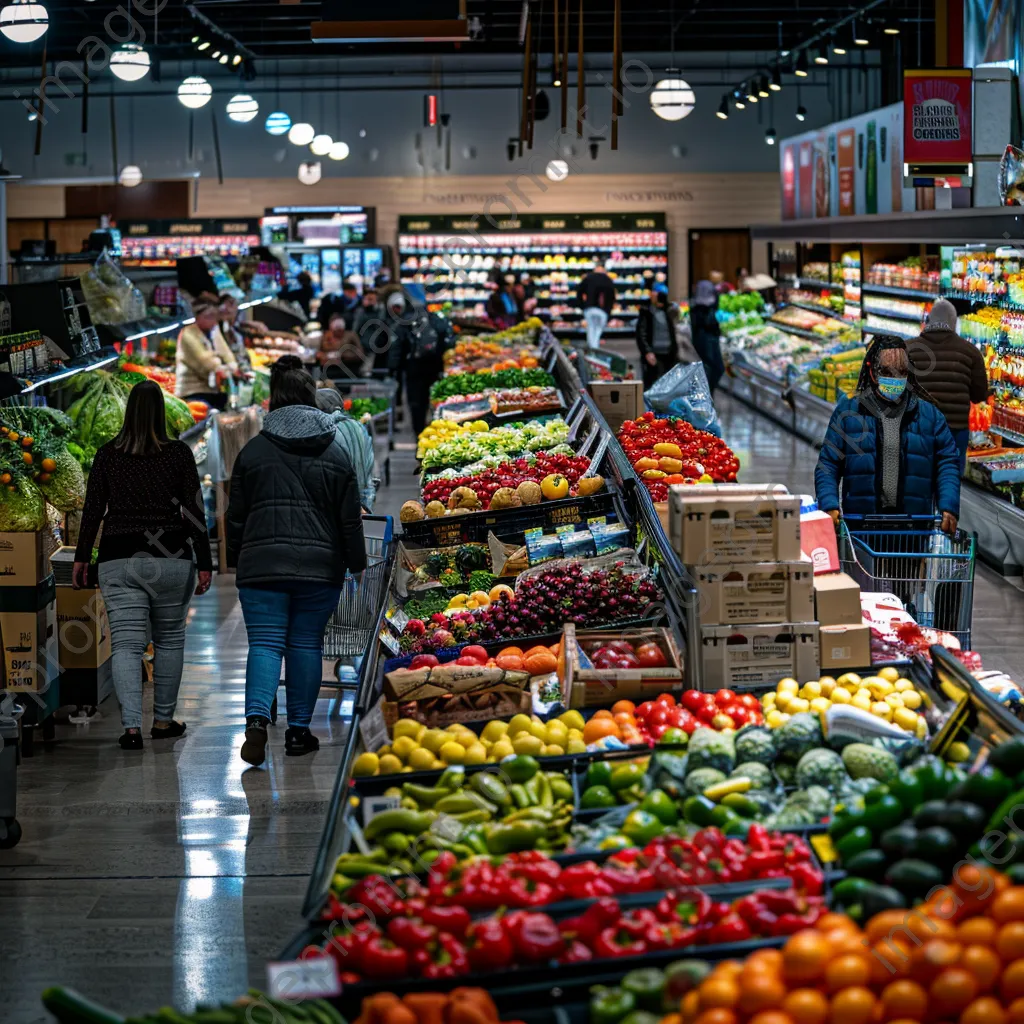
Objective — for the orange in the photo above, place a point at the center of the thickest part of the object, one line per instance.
(985, 1010)
(597, 728)
(827, 922)
(770, 1017)
(728, 969)
(1015, 1012)
(719, 1015)
(556, 649)
(761, 991)
(879, 927)
(982, 931)
(718, 992)
(623, 705)
(601, 713)
(890, 960)
(625, 718)
(672, 1018)
(927, 961)
(852, 1006)
(511, 650)
(847, 970)
(690, 1006)
(806, 1006)
(1009, 941)
(765, 959)
(904, 999)
(509, 662)
(1011, 985)
(804, 956)
(982, 964)
(1008, 905)
(540, 662)
(951, 992)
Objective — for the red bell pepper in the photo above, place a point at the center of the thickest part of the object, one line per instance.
(410, 933)
(533, 865)
(613, 942)
(731, 928)
(584, 881)
(671, 935)
(489, 945)
(447, 960)
(631, 879)
(576, 953)
(688, 906)
(789, 924)
(453, 920)
(536, 936)
(381, 958)
(758, 838)
(807, 879)
(765, 860)
(636, 923)
(598, 916)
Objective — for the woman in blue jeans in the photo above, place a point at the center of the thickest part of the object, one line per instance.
(293, 530)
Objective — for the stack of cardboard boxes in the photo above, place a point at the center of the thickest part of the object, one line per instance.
(740, 544)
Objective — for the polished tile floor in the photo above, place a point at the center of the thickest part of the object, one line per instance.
(172, 877)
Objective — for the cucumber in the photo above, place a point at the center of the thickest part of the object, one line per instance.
(70, 1007)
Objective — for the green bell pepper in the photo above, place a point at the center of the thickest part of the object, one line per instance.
(647, 985)
(610, 1005)
(908, 789)
(883, 814)
(853, 842)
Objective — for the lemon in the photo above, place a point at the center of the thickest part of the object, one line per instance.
(861, 699)
(575, 746)
(863, 691)
(421, 759)
(775, 718)
(386, 749)
(433, 740)
(810, 690)
(503, 748)
(784, 698)
(540, 730)
(849, 680)
(827, 684)
(406, 768)
(841, 695)
(769, 700)
(911, 699)
(821, 704)
(881, 710)
(408, 727)
(879, 687)
(787, 684)
(798, 705)
(527, 743)
(889, 674)
(437, 764)
(572, 719)
(575, 734)
(453, 753)
(365, 764)
(905, 719)
(389, 765)
(556, 733)
(459, 601)
(552, 750)
(476, 753)
(466, 737)
(493, 731)
(958, 752)
(403, 747)
(921, 732)
(902, 684)
(519, 723)
(894, 700)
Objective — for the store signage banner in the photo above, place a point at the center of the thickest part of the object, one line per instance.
(534, 222)
(184, 228)
(937, 116)
(851, 168)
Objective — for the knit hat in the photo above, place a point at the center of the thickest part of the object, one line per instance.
(942, 317)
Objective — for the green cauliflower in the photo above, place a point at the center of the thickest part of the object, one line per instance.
(821, 767)
(760, 775)
(800, 734)
(865, 761)
(755, 743)
(698, 781)
(709, 748)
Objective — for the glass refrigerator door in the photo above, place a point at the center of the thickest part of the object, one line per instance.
(310, 263)
(351, 263)
(373, 260)
(332, 275)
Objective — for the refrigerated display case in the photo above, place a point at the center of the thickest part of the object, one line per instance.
(160, 243)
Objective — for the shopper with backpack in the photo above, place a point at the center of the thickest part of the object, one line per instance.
(420, 341)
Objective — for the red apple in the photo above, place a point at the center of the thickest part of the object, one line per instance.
(476, 652)
(416, 627)
(423, 661)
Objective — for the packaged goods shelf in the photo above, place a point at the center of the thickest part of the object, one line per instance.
(896, 315)
(901, 293)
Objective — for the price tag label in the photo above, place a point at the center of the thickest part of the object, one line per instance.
(390, 641)
(292, 980)
(398, 621)
(822, 845)
(372, 727)
(374, 805)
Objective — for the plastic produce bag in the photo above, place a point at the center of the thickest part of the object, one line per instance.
(110, 295)
(683, 391)
(1011, 177)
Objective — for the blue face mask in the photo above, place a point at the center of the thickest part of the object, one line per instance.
(891, 388)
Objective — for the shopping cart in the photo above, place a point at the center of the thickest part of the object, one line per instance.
(349, 628)
(931, 572)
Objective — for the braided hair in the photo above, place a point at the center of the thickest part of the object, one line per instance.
(880, 344)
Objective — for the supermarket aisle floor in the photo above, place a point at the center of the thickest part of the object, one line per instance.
(772, 455)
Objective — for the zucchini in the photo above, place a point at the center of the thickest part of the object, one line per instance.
(718, 790)
(70, 1007)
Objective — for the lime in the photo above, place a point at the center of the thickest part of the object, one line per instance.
(661, 805)
(599, 773)
(597, 796)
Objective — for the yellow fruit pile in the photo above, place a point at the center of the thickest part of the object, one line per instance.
(887, 695)
(438, 431)
(414, 747)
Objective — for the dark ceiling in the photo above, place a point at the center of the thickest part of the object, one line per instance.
(275, 30)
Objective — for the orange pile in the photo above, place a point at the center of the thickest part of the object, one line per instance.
(620, 722)
(957, 958)
(538, 661)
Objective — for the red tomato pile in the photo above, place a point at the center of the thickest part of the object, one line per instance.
(724, 709)
(623, 654)
(700, 453)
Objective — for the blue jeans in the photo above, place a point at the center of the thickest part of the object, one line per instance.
(962, 438)
(287, 622)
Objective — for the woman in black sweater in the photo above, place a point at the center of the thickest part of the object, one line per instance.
(145, 490)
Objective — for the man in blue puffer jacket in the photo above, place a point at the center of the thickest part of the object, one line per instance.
(889, 448)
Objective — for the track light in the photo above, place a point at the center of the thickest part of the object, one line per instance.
(237, 59)
(801, 113)
(723, 109)
(200, 43)
(800, 69)
(821, 57)
(837, 48)
(860, 35)
(762, 88)
(738, 100)
(776, 83)
(769, 137)
(751, 90)
(215, 54)
(891, 28)
(510, 148)
(223, 59)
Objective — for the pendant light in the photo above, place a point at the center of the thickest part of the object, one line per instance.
(762, 88)
(801, 110)
(770, 137)
(751, 90)
(309, 174)
(129, 62)
(821, 57)
(277, 123)
(860, 35)
(321, 145)
(339, 151)
(800, 69)
(723, 109)
(301, 133)
(242, 108)
(130, 176)
(738, 100)
(24, 21)
(672, 98)
(194, 92)
(557, 170)
(776, 83)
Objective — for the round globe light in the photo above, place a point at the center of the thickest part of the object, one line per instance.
(301, 133)
(557, 170)
(130, 176)
(672, 99)
(321, 145)
(194, 92)
(129, 62)
(242, 108)
(309, 174)
(277, 123)
(24, 21)
(339, 151)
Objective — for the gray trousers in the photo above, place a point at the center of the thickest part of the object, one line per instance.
(147, 596)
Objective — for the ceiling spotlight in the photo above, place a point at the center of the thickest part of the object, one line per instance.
(33, 115)
(277, 123)
(593, 145)
(301, 133)
(801, 113)
(194, 92)
(215, 54)
(223, 59)
(762, 87)
(800, 68)
(821, 57)
(672, 99)
(242, 108)
(321, 145)
(770, 137)
(776, 83)
(860, 35)
(738, 100)
(339, 151)
(200, 43)
(237, 59)
(129, 62)
(557, 170)
(723, 109)
(24, 21)
(891, 28)
(130, 176)
(309, 174)
(511, 147)
(751, 91)
(837, 48)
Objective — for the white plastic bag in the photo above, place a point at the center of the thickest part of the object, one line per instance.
(683, 391)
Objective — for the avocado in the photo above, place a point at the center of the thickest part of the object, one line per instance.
(899, 841)
(881, 897)
(869, 864)
(963, 819)
(1008, 757)
(914, 877)
(935, 844)
(987, 787)
(929, 813)
(850, 891)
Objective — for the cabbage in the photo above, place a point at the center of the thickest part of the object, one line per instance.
(178, 416)
(22, 510)
(65, 489)
(99, 414)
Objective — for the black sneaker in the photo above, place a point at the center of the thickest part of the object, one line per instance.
(172, 731)
(131, 740)
(254, 749)
(298, 740)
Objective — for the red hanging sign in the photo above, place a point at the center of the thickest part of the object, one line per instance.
(937, 116)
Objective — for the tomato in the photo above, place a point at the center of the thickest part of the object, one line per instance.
(659, 716)
(624, 646)
(706, 712)
(740, 715)
(651, 656)
(644, 710)
(477, 652)
(692, 699)
(748, 700)
(659, 730)
(667, 699)
(723, 697)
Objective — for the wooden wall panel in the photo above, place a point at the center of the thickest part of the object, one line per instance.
(35, 201)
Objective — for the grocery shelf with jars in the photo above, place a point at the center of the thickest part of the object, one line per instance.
(456, 261)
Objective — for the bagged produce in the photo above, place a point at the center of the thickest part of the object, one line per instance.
(99, 413)
(22, 509)
(683, 391)
(65, 488)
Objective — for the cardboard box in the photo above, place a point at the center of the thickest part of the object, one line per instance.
(743, 657)
(846, 647)
(618, 400)
(30, 649)
(438, 715)
(83, 631)
(24, 558)
(755, 592)
(677, 494)
(836, 599)
(818, 541)
(713, 529)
